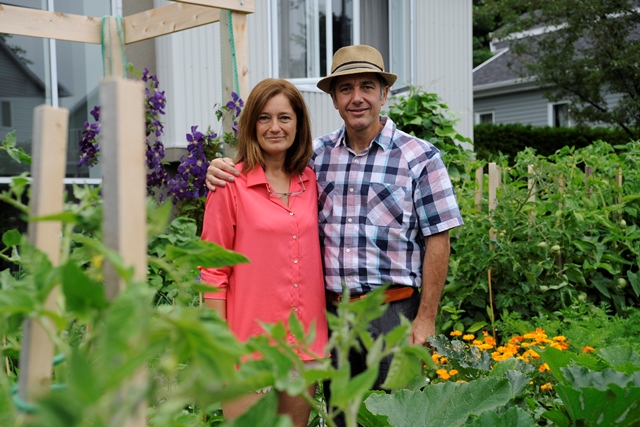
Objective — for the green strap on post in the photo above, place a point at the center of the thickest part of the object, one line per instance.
(107, 45)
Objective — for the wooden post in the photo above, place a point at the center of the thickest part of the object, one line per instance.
(235, 70)
(531, 187)
(479, 188)
(48, 167)
(124, 180)
(113, 38)
(494, 183)
(588, 171)
(124, 195)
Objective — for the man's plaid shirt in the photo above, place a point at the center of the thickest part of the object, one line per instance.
(376, 207)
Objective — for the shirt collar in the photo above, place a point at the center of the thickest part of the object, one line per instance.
(384, 139)
(256, 176)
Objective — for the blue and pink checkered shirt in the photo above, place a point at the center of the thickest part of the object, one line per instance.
(376, 207)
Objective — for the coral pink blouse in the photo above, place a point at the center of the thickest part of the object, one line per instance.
(283, 246)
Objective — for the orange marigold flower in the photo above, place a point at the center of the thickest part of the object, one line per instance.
(476, 342)
(530, 382)
(435, 357)
(485, 333)
(455, 333)
(534, 354)
(468, 337)
(517, 339)
(587, 349)
(546, 386)
(489, 340)
(453, 372)
(560, 338)
(543, 367)
(443, 374)
(562, 346)
(539, 331)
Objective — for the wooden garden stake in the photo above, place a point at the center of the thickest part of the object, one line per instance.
(124, 195)
(493, 317)
(531, 186)
(49, 160)
(235, 72)
(494, 183)
(479, 179)
(588, 171)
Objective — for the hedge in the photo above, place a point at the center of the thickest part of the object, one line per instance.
(509, 139)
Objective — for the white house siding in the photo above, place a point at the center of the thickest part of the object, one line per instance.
(444, 55)
(189, 70)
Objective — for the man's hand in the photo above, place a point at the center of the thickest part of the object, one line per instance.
(220, 171)
(421, 330)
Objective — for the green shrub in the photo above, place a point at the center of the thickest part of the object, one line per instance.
(509, 139)
(571, 243)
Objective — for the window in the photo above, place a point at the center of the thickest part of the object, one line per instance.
(307, 40)
(6, 114)
(559, 115)
(39, 71)
(485, 117)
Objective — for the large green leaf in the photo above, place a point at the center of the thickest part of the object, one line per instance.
(200, 253)
(615, 406)
(81, 293)
(404, 367)
(622, 358)
(11, 237)
(581, 376)
(367, 419)
(514, 417)
(634, 279)
(444, 404)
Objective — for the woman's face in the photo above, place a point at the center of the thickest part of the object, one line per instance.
(276, 127)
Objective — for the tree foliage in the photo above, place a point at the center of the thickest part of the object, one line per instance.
(588, 48)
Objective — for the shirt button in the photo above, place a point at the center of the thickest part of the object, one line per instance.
(356, 161)
(349, 220)
(295, 236)
(295, 261)
(351, 190)
(295, 285)
(348, 250)
(290, 213)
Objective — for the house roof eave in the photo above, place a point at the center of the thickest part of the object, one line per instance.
(505, 87)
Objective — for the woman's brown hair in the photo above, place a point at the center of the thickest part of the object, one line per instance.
(249, 151)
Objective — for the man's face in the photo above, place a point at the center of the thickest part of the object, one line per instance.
(359, 98)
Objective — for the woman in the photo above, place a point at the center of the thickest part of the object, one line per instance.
(270, 215)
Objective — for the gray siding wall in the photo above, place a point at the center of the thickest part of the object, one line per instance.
(521, 107)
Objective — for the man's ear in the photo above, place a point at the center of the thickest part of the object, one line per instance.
(335, 103)
(384, 95)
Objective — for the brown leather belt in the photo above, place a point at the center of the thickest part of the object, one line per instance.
(390, 295)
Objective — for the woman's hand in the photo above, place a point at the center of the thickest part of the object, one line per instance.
(220, 171)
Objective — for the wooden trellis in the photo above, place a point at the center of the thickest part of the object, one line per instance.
(123, 137)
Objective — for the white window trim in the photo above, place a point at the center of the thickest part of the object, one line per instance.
(481, 113)
(550, 106)
(308, 84)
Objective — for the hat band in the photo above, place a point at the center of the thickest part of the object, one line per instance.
(357, 64)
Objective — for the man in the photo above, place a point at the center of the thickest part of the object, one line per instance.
(386, 202)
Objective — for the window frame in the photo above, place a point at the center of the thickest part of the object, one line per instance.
(479, 114)
(309, 83)
(551, 113)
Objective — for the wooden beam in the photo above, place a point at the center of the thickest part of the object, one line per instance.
(166, 20)
(124, 178)
(50, 134)
(242, 6)
(54, 25)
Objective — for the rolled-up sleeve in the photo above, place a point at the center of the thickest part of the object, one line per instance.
(219, 227)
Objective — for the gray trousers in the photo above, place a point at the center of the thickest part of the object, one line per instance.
(380, 326)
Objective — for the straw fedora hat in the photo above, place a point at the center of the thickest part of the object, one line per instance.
(355, 60)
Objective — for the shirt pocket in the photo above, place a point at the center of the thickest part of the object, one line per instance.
(386, 204)
(325, 201)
